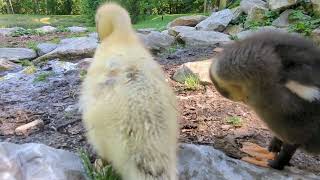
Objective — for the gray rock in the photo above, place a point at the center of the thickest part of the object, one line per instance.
(93, 35)
(47, 29)
(72, 48)
(315, 35)
(202, 38)
(146, 30)
(246, 5)
(156, 41)
(283, 20)
(198, 68)
(6, 65)
(204, 163)
(256, 14)
(248, 33)
(181, 74)
(77, 29)
(44, 48)
(280, 4)
(174, 31)
(7, 31)
(234, 29)
(37, 161)
(237, 12)
(17, 54)
(187, 21)
(316, 6)
(218, 21)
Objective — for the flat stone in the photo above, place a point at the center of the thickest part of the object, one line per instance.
(77, 29)
(17, 54)
(234, 29)
(72, 48)
(275, 5)
(256, 14)
(7, 31)
(187, 21)
(248, 33)
(206, 163)
(44, 48)
(37, 161)
(218, 21)
(146, 30)
(203, 38)
(174, 31)
(6, 65)
(47, 29)
(157, 41)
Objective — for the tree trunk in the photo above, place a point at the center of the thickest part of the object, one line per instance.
(205, 6)
(223, 4)
(11, 6)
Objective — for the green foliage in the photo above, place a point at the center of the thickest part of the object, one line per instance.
(234, 37)
(302, 23)
(192, 82)
(35, 21)
(43, 76)
(234, 121)
(104, 173)
(267, 20)
(234, 4)
(62, 29)
(23, 32)
(26, 63)
(241, 20)
(32, 45)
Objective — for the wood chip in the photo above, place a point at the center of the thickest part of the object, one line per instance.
(28, 128)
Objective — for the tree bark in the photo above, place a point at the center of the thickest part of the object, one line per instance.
(223, 4)
(205, 6)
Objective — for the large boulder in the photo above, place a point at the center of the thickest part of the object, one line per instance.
(246, 5)
(187, 21)
(280, 4)
(204, 162)
(256, 14)
(218, 21)
(283, 20)
(47, 29)
(7, 31)
(37, 161)
(245, 34)
(174, 31)
(157, 41)
(17, 54)
(203, 38)
(44, 48)
(72, 48)
(316, 7)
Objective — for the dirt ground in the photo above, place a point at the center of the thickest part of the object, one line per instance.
(203, 114)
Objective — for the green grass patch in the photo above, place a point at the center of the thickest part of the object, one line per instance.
(26, 63)
(35, 21)
(23, 32)
(32, 45)
(192, 82)
(98, 173)
(234, 121)
(55, 40)
(43, 76)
